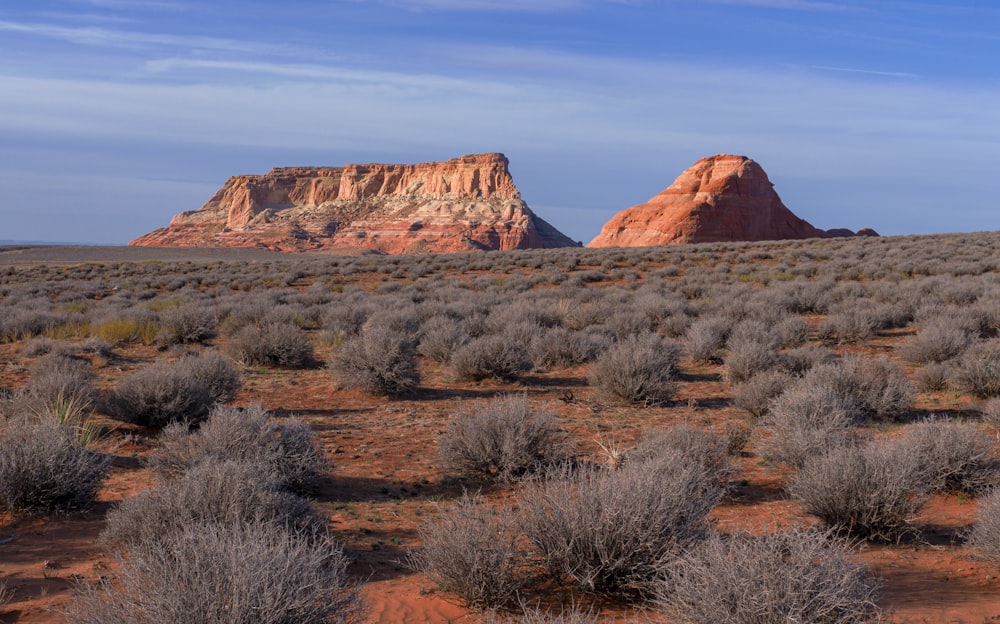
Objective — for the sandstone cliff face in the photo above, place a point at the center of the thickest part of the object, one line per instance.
(718, 199)
(462, 204)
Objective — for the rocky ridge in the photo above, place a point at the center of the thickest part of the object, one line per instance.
(467, 203)
(721, 198)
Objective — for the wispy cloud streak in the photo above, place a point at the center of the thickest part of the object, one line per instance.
(795, 5)
(870, 72)
(142, 5)
(325, 73)
(508, 6)
(107, 37)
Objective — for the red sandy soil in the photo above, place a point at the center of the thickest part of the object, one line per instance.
(386, 483)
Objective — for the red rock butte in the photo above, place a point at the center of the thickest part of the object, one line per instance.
(721, 198)
(463, 204)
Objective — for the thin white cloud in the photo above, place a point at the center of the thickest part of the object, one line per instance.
(93, 18)
(106, 37)
(323, 73)
(595, 100)
(532, 6)
(795, 5)
(870, 72)
(146, 5)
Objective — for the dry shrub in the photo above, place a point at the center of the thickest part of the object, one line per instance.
(957, 456)
(849, 327)
(869, 491)
(706, 337)
(807, 420)
(164, 392)
(272, 343)
(538, 615)
(612, 532)
(977, 371)
(755, 394)
(626, 321)
(749, 357)
(214, 574)
(22, 322)
(639, 369)
(471, 550)
(582, 315)
(800, 360)
(379, 361)
(938, 341)
(250, 309)
(792, 576)
(398, 320)
(737, 435)
(755, 330)
(508, 315)
(501, 440)
(287, 451)
(705, 448)
(792, 331)
(45, 469)
(559, 347)
(676, 324)
(991, 413)
(60, 388)
(878, 385)
(347, 315)
(187, 324)
(933, 377)
(985, 534)
(41, 345)
(214, 492)
(58, 379)
(493, 356)
(216, 372)
(441, 337)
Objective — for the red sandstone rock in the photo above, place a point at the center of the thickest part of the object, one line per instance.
(462, 204)
(719, 199)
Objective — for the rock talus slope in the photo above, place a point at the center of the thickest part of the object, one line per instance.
(721, 198)
(467, 203)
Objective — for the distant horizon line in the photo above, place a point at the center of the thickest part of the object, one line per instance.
(40, 243)
(7, 243)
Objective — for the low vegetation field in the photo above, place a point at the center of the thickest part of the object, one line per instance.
(797, 431)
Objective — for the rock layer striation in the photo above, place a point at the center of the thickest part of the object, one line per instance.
(721, 198)
(467, 203)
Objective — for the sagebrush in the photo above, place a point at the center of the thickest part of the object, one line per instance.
(45, 469)
(612, 532)
(224, 574)
(288, 450)
(500, 440)
(472, 550)
(870, 491)
(790, 576)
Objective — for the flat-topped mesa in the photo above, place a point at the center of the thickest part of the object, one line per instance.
(483, 176)
(723, 198)
(461, 204)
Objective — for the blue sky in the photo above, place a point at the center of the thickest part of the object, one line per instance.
(117, 114)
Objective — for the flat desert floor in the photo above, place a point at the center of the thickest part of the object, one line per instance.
(387, 480)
